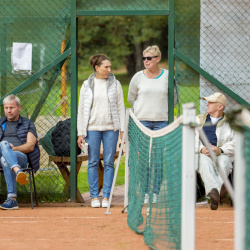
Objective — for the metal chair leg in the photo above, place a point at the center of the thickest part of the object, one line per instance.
(34, 184)
(31, 194)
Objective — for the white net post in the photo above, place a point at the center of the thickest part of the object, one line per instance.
(126, 164)
(117, 165)
(240, 194)
(188, 178)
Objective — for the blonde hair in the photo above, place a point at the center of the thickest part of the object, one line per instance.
(154, 50)
(10, 98)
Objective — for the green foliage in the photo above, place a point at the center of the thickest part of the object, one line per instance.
(120, 36)
(124, 80)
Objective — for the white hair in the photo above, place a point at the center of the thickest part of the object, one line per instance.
(11, 98)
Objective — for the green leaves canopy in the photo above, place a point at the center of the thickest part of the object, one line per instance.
(121, 38)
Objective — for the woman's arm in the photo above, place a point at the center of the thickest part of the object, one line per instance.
(80, 112)
(120, 105)
(133, 89)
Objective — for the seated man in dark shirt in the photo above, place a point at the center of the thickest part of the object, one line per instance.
(18, 147)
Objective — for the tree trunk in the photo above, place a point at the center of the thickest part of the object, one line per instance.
(130, 65)
(138, 57)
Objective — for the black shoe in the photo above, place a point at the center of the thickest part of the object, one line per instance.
(223, 194)
(215, 199)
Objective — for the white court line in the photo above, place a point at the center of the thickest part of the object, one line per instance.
(7, 222)
(49, 239)
(219, 222)
(201, 217)
(50, 218)
(226, 239)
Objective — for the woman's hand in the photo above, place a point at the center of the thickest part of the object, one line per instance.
(80, 141)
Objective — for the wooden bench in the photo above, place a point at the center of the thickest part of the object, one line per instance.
(63, 162)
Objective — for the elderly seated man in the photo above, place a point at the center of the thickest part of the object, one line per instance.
(221, 138)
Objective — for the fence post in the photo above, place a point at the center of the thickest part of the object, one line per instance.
(171, 62)
(3, 65)
(188, 179)
(74, 84)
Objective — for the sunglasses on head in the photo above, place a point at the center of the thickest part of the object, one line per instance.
(149, 58)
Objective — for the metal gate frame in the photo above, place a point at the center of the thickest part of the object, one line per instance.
(74, 70)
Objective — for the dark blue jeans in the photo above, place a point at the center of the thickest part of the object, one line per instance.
(158, 171)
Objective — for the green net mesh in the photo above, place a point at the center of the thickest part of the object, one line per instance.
(247, 159)
(155, 187)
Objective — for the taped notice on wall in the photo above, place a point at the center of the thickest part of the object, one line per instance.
(21, 58)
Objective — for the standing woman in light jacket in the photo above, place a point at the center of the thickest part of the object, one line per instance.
(101, 115)
(148, 95)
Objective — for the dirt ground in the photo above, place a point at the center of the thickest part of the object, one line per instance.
(88, 228)
(214, 228)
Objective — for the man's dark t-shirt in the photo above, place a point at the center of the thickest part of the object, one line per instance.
(10, 134)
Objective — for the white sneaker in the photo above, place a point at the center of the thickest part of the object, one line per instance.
(105, 203)
(95, 203)
(154, 198)
(146, 198)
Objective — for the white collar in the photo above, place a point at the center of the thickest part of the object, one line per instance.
(214, 120)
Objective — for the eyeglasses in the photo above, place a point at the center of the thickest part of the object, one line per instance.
(149, 58)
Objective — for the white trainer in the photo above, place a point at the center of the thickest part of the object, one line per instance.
(105, 203)
(95, 203)
(146, 198)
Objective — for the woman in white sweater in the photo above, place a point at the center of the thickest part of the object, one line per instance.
(101, 116)
(148, 95)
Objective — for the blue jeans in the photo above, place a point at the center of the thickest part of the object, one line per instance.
(9, 160)
(158, 171)
(109, 139)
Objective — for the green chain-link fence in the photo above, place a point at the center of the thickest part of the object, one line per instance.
(212, 50)
(116, 6)
(34, 35)
(211, 53)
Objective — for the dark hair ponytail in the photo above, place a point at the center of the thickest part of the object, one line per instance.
(97, 60)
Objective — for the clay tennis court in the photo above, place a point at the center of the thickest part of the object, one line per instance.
(78, 227)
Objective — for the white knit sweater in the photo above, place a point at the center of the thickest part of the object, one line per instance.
(149, 97)
(100, 115)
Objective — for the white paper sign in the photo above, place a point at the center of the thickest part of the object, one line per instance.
(22, 58)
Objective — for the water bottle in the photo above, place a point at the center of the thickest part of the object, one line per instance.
(84, 148)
